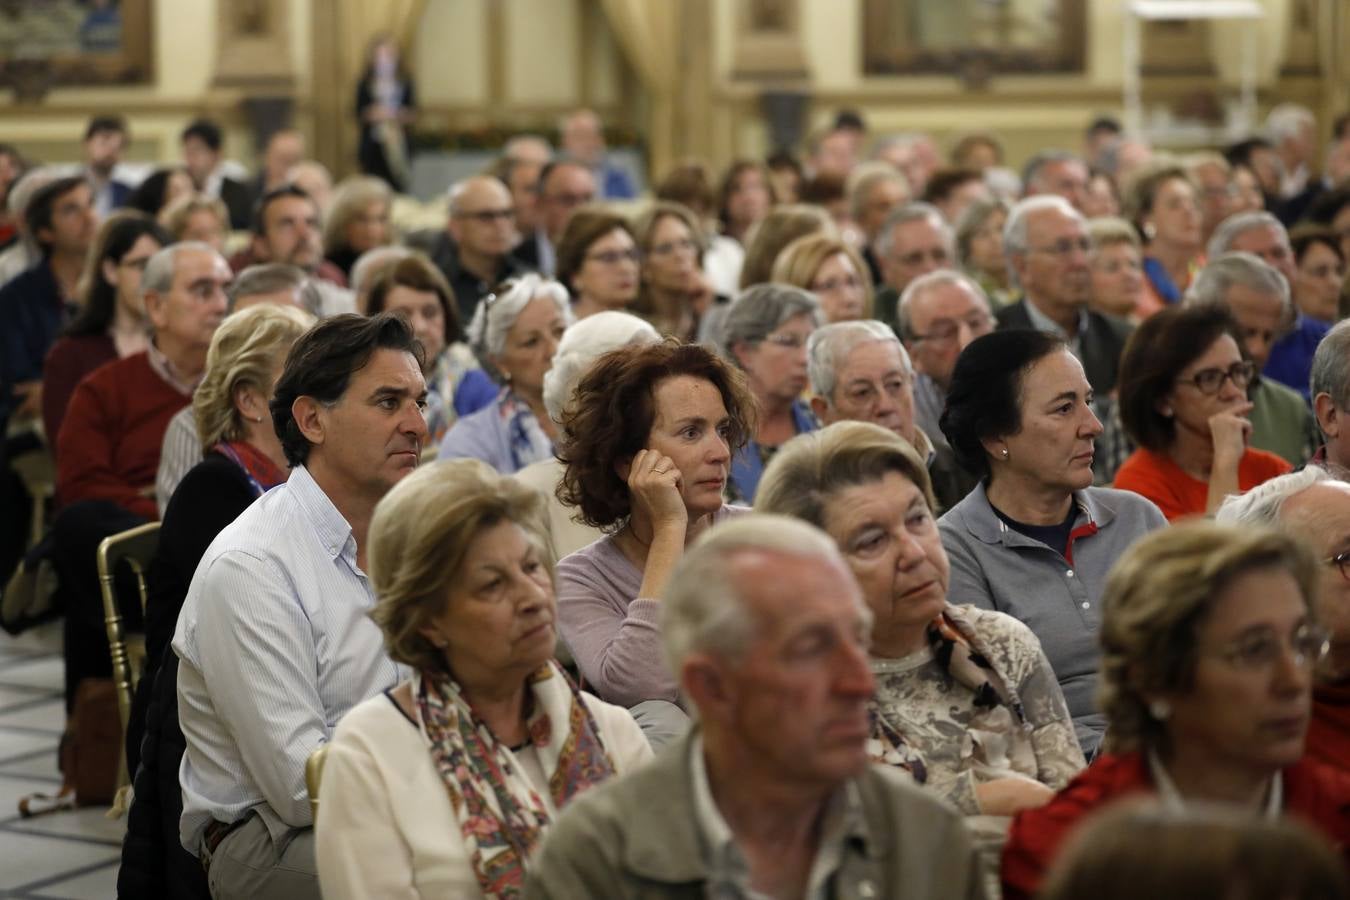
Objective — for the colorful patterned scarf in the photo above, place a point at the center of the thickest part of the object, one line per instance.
(500, 815)
(261, 472)
(958, 652)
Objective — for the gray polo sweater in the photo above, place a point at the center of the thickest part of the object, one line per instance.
(995, 567)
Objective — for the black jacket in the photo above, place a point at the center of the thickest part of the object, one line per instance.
(1102, 343)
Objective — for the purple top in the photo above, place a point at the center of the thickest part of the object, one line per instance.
(615, 635)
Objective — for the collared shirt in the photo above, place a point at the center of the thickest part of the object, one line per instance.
(276, 644)
(180, 451)
(1174, 802)
(1042, 322)
(728, 871)
(164, 368)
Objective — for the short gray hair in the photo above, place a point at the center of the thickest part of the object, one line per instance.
(159, 268)
(370, 263)
(1331, 366)
(496, 313)
(867, 176)
(911, 212)
(1286, 119)
(1031, 172)
(1221, 275)
(1015, 229)
(760, 310)
(266, 278)
(926, 283)
(830, 345)
(704, 609)
(1264, 504)
(583, 344)
(1231, 227)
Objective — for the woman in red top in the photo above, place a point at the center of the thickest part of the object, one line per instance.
(1208, 648)
(1183, 399)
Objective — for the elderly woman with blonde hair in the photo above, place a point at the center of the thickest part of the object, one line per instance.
(1209, 642)
(445, 786)
(966, 701)
(830, 268)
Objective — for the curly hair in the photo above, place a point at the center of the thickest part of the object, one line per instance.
(611, 415)
(1156, 598)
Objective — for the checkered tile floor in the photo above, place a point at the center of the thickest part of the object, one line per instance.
(70, 855)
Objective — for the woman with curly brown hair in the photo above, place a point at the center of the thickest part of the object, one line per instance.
(647, 443)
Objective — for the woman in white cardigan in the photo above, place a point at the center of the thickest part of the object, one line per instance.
(444, 786)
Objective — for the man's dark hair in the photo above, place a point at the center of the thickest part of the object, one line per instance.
(849, 120)
(1241, 153)
(206, 131)
(321, 365)
(1104, 125)
(267, 199)
(553, 165)
(984, 400)
(100, 124)
(38, 216)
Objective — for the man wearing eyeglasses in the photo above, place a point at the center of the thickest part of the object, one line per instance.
(1314, 506)
(913, 241)
(1257, 296)
(938, 315)
(1330, 385)
(476, 253)
(1047, 245)
(565, 186)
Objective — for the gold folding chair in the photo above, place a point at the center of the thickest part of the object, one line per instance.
(137, 546)
(313, 775)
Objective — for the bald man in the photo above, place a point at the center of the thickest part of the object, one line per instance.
(481, 232)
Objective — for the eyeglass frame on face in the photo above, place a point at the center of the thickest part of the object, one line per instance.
(666, 248)
(614, 257)
(939, 333)
(489, 216)
(1340, 561)
(786, 341)
(940, 255)
(1064, 247)
(1255, 653)
(1245, 369)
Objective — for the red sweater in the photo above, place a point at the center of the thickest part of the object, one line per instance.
(1329, 730)
(1157, 477)
(68, 362)
(108, 448)
(1314, 793)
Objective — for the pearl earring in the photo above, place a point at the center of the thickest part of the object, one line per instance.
(1005, 452)
(1160, 710)
(1150, 231)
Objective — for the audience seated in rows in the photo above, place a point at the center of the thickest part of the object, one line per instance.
(770, 792)
(446, 784)
(1330, 387)
(564, 187)
(286, 229)
(1035, 539)
(474, 251)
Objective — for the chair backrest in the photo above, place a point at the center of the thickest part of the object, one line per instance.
(137, 546)
(313, 775)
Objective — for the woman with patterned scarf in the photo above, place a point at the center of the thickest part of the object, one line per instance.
(966, 700)
(444, 786)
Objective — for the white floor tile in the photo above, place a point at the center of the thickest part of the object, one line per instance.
(18, 743)
(45, 672)
(25, 859)
(99, 884)
(48, 715)
(90, 823)
(43, 639)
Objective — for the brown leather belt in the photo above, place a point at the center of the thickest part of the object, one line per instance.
(213, 835)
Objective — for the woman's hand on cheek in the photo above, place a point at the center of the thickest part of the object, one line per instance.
(654, 485)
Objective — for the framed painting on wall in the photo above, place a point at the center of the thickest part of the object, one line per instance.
(48, 43)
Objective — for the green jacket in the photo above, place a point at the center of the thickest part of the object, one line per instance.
(637, 837)
(1282, 423)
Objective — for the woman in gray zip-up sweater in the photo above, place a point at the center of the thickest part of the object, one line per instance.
(1035, 539)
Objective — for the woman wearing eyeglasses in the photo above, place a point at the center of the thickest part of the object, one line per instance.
(1208, 649)
(1183, 400)
(598, 262)
(830, 268)
(674, 294)
(765, 333)
(515, 331)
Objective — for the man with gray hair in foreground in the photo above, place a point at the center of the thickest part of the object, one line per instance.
(771, 793)
(1315, 507)
(860, 372)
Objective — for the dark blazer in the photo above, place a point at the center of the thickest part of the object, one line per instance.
(238, 199)
(1102, 343)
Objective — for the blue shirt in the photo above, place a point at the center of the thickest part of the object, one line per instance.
(748, 465)
(32, 313)
(1291, 358)
(275, 644)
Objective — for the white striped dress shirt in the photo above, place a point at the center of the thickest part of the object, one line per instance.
(276, 644)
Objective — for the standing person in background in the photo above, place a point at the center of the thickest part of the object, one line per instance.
(385, 106)
(583, 139)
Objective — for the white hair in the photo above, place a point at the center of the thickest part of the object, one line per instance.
(1264, 504)
(704, 607)
(1221, 275)
(364, 269)
(1286, 120)
(883, 244)
(496, 313)
(1330, 373)
(1231, 227)
(927, 282)
(830, 345)
(1015, 229)
(583, 344)
(159, 268)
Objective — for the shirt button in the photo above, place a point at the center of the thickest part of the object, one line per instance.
(1087, 605)
(1069, 573)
